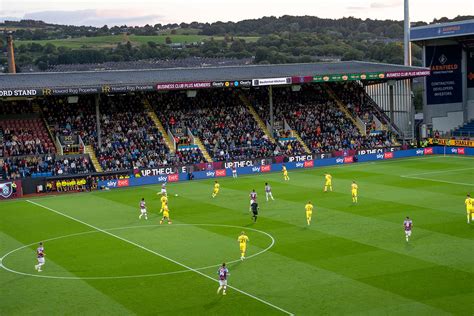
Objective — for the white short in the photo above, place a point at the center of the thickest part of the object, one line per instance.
(408, 233)
(252, 201)
(143, 210)
(163, 191)
(223, 282)
(40, 260)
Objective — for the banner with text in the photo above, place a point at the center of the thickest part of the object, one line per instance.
(445, 83)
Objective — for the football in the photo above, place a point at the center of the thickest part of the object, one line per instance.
(176, 194)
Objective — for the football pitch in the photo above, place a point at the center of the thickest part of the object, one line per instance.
(353, 259)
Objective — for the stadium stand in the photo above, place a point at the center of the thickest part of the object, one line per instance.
(223, 121)
(467, 130)
(22, 132)
(317, 119)
(220, 120)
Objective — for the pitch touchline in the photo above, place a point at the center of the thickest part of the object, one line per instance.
(160, 255)
(130, 276)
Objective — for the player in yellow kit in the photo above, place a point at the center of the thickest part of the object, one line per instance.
(285, 174)
(309, 212)
(243, 240)
(328, 183)
(164, 201)
(354, 188)
(469, 207)
(216, 189)
(166, 214)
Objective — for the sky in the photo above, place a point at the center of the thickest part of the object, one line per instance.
(141, 12)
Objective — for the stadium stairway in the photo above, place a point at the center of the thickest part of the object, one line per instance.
(158, 124)
(38, 111)
(344, 110)
(298, 138)
(257, 118)
(203, 149)
(89, 150)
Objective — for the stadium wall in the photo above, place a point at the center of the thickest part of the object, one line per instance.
(276, 167)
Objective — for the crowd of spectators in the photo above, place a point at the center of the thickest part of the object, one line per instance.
(21, 132)
(220, 120)
(318, 120)
(46, 165)
(130, 139)
(358, 103)
(66, 118)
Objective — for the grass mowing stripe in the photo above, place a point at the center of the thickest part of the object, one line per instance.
(436, 180)
(436, 172)
(160, 255)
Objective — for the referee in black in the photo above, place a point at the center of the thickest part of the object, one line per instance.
(254, 208)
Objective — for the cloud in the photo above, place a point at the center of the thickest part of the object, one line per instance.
(356, 8)
(95, 17)
(386, 4)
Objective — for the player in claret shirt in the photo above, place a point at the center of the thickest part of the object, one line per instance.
(40, 257)
(143, 209)
(253, 199)
(268, 191)
(163, 189)
(407, 225)
(222, 273)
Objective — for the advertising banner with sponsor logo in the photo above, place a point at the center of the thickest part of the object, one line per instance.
(362, 152)
(156, 171)
(271, 81)
(277, 167)
(183, 85)
(349, 77)
(451, 142)
(232, 84)
(407, 74)
(445, 83)
(10, 189)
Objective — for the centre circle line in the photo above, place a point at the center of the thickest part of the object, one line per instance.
(131, 276)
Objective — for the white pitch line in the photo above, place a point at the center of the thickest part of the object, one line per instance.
(2, 265)
(435, 180)
(436, 172)
(160, 255)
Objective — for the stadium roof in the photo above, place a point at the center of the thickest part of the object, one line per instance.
(189, 78)
(442, 30)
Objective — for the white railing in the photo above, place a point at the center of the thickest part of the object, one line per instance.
(82, 147)
(59, 145)
(191, 136)
(363, 125)
(171, 138)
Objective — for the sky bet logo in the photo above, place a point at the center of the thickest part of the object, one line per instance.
(173, 177)
(266, 168)
(112, 183)
(210, 174)
(220, 173)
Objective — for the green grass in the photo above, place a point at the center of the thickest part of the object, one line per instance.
(112, 40)
(351, 260)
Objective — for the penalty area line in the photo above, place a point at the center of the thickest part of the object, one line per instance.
(159, 255)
